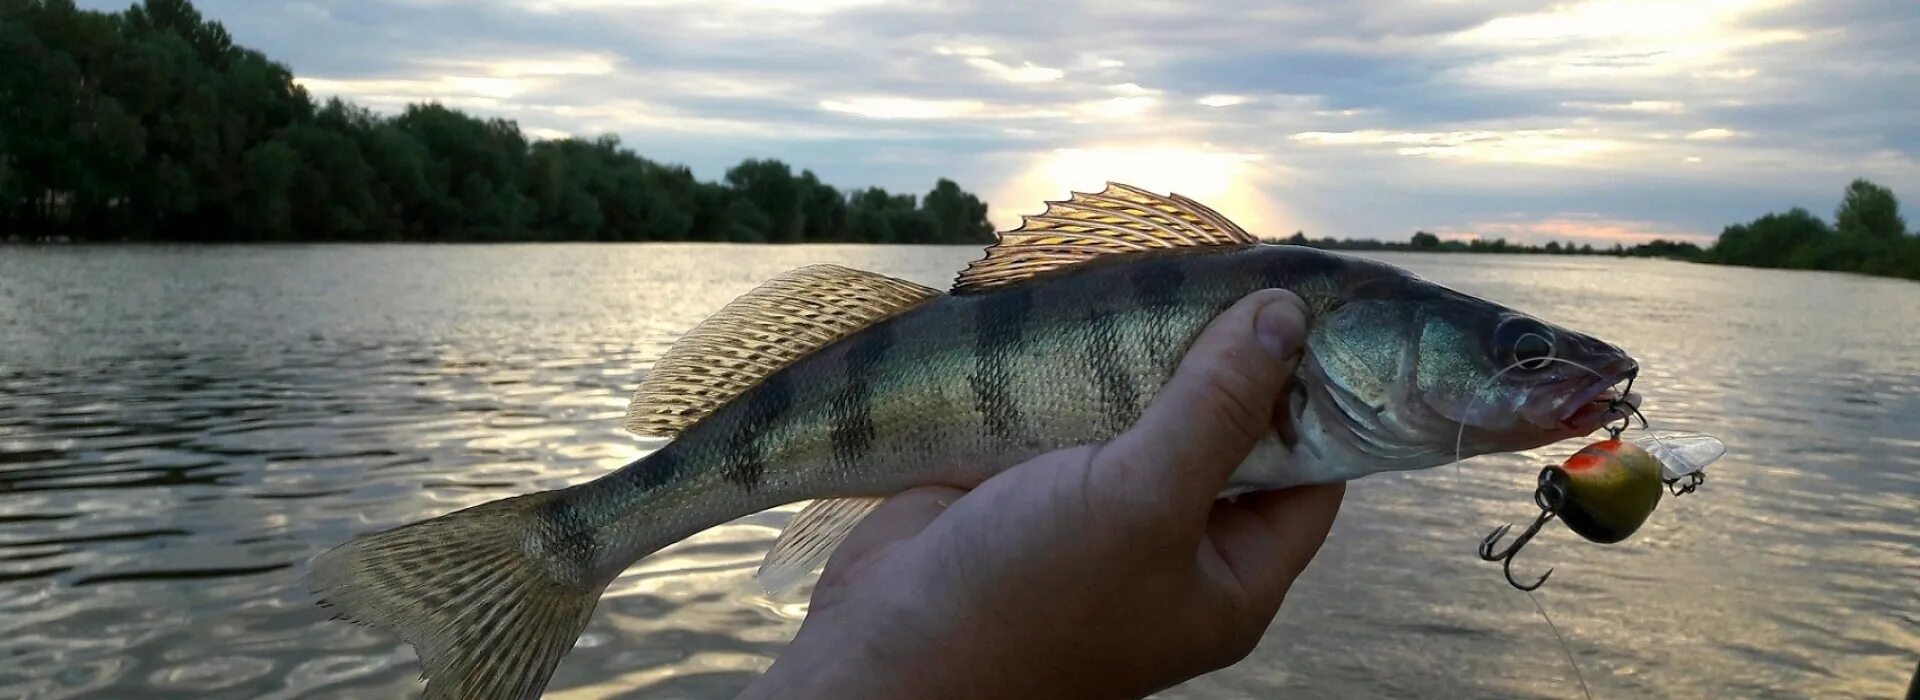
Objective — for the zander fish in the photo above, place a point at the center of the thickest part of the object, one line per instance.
(842, 387)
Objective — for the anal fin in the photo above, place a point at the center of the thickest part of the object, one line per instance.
(810, 539)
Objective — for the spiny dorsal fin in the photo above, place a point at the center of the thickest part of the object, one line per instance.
(757, 334)
(1120, 219)
(810, 539)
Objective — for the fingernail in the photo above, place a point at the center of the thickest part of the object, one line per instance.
(1282, 325)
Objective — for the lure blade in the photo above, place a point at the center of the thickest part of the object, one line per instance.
(1680, 454)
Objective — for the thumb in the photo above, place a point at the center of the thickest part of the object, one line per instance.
(1218, 404)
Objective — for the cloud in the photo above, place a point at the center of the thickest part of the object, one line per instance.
(1026, 72)
(904, 107)
(1655, 106)
(1561, 146)
(1713, 134)
(1606, 118)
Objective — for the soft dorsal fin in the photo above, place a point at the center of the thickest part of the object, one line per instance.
(1120, 219)
(755, 335)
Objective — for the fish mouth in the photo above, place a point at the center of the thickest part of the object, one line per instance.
(1593, 406)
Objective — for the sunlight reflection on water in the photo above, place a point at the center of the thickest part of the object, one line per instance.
(181, 428)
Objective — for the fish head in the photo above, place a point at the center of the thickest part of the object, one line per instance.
(1421, 375)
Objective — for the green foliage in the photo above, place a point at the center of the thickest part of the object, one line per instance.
(151, 123)
(1871, 210)
(1870, 237)
(957, 216)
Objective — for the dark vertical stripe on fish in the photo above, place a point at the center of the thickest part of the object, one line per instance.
(999, 323)
(563, 520)
(746, 461)
(654, 470)
(1117, 393)
(1301, 264)
(1157, 282)
(852, 416)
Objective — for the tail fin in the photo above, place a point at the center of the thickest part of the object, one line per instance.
(489, 605)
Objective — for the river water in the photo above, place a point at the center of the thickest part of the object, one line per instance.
(181, 428)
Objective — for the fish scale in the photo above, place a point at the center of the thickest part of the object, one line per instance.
(844, 386)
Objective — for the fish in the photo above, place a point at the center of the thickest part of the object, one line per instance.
(840, 387)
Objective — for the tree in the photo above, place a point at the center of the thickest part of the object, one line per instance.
(912, 226)
(772, 190)
(1870, 209)
(823, 212)
(1425, 241)
(748, 224)
(1771, 240)
(870, 226)
(270, 169)
(958, 217)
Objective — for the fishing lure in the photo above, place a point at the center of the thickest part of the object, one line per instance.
(1608, 489)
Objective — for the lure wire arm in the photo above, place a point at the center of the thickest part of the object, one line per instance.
(1627, 411)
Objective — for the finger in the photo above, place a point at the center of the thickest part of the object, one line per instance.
(1218, 404)
(900, 517)
(1267, 539)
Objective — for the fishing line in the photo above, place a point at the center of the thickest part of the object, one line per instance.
(1563, 645)
(1459, 439)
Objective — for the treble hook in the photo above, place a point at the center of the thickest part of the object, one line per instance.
(1686, 484)
(1505, 556)
(1550, 495)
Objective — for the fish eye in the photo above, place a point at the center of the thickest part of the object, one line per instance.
(1527, 343)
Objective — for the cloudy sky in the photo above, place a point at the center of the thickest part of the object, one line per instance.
(1596, 120)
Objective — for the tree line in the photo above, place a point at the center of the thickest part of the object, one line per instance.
(151, 124)
(1424, 242)
(1868, 236)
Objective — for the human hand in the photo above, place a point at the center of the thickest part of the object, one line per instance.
(1106, 571)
